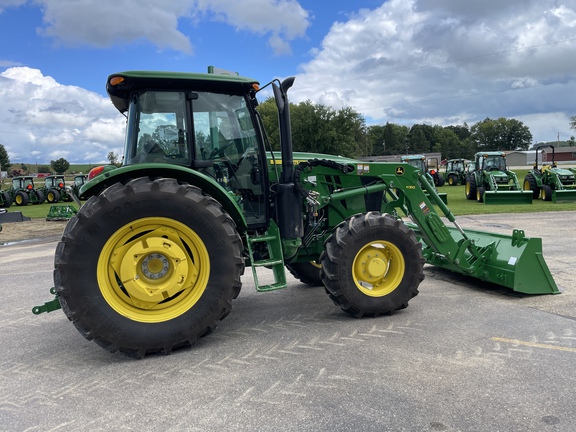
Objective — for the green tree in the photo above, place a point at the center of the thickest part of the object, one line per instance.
(114, 159)
(44, 169)
(501, 134)
(4, 159)
(573, 122)
(419, 139)
(60, 166)
(317, 128)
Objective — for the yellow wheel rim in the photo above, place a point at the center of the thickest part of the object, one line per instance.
(153, 269)
(526, 185)
(18, 199)
(315, 264)
(378, 268)
(467, 187)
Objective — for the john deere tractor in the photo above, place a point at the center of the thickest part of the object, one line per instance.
(455, 172)
(154, 258)
(55, 189)
(23, 191)
(549, 182)
(492, 183)
(433, 176)
(79, 181)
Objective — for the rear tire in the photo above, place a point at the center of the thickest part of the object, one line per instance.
(21, 198)
(6, 200)
(149, 266)
(40, 197)
(308, 272)
(530, 184)
(372, 265)
(53, 196)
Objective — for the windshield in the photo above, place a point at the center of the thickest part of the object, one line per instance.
(210, 132)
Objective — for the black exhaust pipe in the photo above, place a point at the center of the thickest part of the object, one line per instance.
(290, 211)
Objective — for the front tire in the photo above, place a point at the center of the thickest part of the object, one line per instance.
(149, 266)
(470, 187)
(372, 265)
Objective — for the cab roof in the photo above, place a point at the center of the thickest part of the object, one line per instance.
(134, 81)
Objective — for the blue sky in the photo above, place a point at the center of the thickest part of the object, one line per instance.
(403, 61)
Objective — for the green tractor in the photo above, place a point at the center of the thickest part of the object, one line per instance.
(456, 172)
(433, 169)
(549, 182)
(55, 189)
(492, 183)
(23, 191)
(419, 162)
(79, 181)
(154, 258)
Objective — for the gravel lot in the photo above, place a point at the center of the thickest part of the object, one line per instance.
(33, 229)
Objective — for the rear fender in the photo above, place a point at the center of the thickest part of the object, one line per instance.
(182, 174)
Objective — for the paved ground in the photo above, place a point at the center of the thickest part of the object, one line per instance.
(462, 357)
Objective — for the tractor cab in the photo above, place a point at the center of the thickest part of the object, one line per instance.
(23, 183)
(56, 181)
(214, 133)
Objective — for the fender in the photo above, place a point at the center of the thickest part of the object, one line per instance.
(208, 185)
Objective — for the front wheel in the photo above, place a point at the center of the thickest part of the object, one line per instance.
(148, 266)
(470, 187)
(372, 265)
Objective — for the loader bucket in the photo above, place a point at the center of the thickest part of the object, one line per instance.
(564, 195)
(515, 261)
(508, 197)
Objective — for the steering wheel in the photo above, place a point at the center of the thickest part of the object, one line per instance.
(219, 152)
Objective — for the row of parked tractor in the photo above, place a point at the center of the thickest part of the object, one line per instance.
(23, 191)
(488, 179)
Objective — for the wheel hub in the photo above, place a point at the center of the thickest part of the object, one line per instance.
(376, 267)
(155, 266)
(153, 269)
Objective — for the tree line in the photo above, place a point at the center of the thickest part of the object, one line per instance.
(319, 129)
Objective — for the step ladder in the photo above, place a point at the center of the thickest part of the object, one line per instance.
(275, 260)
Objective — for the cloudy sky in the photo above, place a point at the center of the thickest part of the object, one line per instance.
(402, 61)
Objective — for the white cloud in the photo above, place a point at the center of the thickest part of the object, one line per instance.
(104, 23)
(43, 118)
(414, 61)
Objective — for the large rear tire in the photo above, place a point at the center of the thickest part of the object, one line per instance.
(6, 200)
(372, 265)
(149, 266)
(53, 196)
(21, 198)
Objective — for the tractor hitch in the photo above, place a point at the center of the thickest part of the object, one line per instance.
(49, 306)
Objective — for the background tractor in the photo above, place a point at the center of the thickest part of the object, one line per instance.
(433, 169)
(154, 258)
(79, 181)
(549, 182)
(492, 183)
(55, 189)
(455, 172)
(23, 191)
(419, 162)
